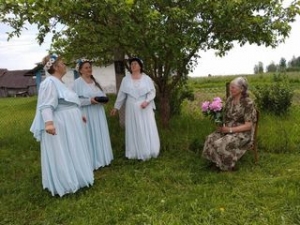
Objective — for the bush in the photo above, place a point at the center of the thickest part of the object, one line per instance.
(276, 97)
(293, 69)
(178, 95)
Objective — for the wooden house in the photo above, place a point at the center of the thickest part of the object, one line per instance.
(15, 83)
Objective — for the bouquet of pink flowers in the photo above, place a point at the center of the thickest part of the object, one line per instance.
(214, 110)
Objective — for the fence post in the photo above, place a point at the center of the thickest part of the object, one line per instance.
(38, 79)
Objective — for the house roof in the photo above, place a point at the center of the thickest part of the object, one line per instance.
(2, 71)
(33, 71)
(16, 78)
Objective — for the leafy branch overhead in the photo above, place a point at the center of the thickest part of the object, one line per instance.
(169, 29)
(169, 35)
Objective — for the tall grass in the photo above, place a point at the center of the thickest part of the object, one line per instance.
(176, 188)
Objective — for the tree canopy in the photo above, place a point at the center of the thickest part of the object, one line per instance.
(169, 35)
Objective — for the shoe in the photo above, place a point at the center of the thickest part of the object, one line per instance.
(212, 166)
(232, 169)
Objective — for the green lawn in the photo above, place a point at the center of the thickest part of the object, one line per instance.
(176, 188)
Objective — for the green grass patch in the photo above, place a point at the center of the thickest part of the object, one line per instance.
(175, 188)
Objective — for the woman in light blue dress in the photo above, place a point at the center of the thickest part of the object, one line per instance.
(88, 89)
(137, 91)
(59, 126)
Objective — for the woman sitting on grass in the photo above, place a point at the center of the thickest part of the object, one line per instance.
(228, 143)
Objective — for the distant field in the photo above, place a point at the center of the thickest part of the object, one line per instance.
(215, 85)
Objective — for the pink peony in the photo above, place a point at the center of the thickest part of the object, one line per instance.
(205, 106)
(214, 110)
(217, 99)
(216, 105)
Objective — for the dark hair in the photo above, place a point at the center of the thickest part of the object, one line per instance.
(92, 77)
(139, 61)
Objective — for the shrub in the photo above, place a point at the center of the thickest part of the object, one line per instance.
(178, 95)
(276, 97)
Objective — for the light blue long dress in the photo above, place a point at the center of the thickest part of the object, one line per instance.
(142, 139)
(64, 157)
(97, 128)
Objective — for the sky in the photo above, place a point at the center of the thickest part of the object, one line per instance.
(24, 52)
(241, 60)
(21, 52)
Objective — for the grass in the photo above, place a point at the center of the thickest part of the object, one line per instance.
(176, 188)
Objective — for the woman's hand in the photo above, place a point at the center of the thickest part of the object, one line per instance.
(50, 128)
(93, 101)
(223, 129)
(113, 112)
(247, 126)
(144, 104)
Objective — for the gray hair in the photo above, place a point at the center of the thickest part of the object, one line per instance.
(242, 83)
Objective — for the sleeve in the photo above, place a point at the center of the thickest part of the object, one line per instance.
(151, 95)
(121, 97)
(250, 112)
(48, 96)
(47, 114)
(84, 101)
(47, 100)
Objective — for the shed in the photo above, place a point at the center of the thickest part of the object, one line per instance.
(15, 83)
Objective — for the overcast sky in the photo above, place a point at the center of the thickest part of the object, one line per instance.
(24, 53)
(241, 60)
(21, 52)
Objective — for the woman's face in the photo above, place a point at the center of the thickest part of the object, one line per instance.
(60, 67)
(135, 66)
(235, 90)
(86, 69)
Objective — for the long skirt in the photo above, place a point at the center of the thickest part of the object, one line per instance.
(225, 150)
(142, 139)
(64, 157)
(97, 133)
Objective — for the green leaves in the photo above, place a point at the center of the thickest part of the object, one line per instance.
(158, 26)
(275, 98)
(167, 34)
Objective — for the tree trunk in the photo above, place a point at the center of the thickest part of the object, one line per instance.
(164, 109)
(119, 73)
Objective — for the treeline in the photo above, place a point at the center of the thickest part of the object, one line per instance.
(291, 66)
